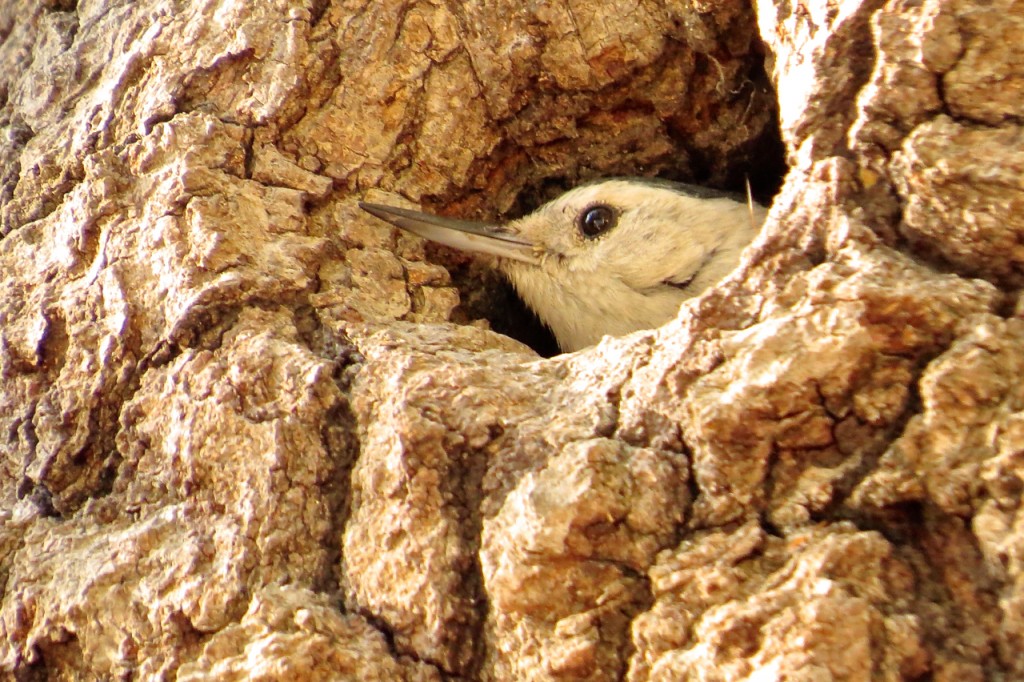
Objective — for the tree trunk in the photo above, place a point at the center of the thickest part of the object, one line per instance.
(249, 432)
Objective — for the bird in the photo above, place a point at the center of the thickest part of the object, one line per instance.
(608, 257)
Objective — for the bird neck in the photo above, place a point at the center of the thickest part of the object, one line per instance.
(582, 307)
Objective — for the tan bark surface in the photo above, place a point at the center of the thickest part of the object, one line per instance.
(245, 434)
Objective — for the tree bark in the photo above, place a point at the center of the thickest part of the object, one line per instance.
(249, 432)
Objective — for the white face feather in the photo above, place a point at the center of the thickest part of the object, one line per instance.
(666, 246)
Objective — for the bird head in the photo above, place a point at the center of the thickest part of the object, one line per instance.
(608, 257)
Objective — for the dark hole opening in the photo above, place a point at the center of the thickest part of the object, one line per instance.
(486, 294)
(760, 162)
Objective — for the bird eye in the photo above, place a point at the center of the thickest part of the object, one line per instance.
(595, 220)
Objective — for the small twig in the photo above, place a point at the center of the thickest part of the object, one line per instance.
(750, 201)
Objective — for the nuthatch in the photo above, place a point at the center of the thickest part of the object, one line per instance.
(608, 257)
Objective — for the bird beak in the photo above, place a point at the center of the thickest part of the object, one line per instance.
(465, 235)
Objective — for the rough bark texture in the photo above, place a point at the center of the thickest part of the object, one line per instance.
(243, 439)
